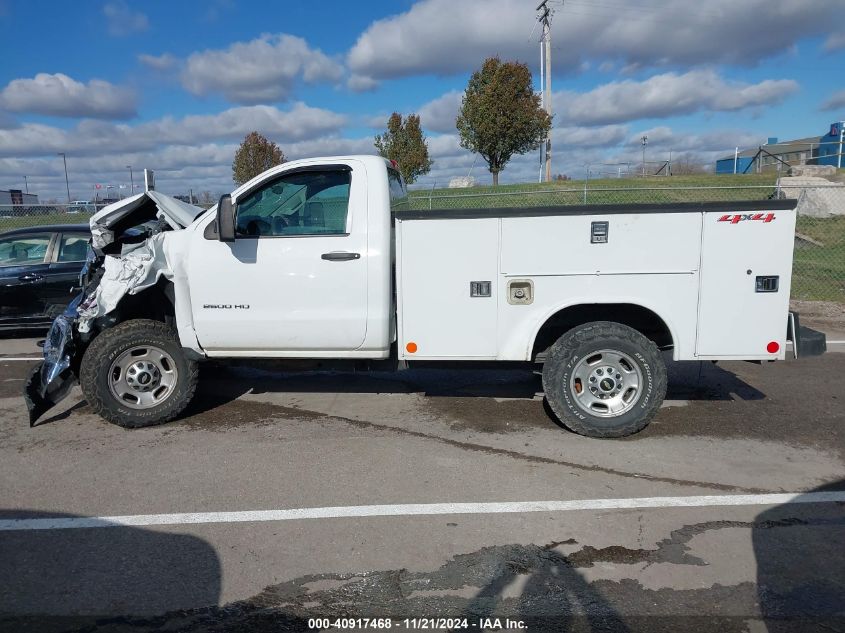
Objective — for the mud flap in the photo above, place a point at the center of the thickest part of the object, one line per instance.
(805, 341)
(38, 399)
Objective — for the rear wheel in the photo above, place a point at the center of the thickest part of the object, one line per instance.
(136, 374)
(604, 379)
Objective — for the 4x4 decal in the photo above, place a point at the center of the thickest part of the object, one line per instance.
(736, 218)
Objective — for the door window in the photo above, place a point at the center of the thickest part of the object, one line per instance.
(73, 247)
(304, 203)
(19, 251)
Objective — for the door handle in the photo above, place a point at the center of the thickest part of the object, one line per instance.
(340, 256)
(30, 277)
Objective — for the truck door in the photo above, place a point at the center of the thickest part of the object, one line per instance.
(295, 278)
(746, 267)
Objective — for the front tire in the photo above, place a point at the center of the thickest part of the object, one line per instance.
(604, 379)
(136, 374)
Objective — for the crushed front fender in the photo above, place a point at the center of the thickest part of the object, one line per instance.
(51, 380)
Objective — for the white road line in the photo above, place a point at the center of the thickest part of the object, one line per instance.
(789, 343)
(418, 509)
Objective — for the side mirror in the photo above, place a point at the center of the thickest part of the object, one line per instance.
(226, 219)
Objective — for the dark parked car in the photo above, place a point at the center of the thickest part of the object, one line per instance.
(39, 268)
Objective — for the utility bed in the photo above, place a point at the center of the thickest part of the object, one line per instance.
(717, 274)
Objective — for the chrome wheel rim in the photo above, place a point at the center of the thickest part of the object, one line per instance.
(142, 377)
(606, 383)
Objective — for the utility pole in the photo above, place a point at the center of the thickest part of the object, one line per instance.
(645, 142)
(131, 181)
(545, 18)
(67, 184)
(26, 184)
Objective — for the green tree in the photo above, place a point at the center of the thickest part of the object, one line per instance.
(256, 154)
(405, 143)
(501, 115)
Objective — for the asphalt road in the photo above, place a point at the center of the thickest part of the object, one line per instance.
(263, 440)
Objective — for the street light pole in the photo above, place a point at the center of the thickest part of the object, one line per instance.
(26, 184)
(645, 142)
(67, 184)
(545, 19)
(131, 181)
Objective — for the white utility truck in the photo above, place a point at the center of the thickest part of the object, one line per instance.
(323, 259)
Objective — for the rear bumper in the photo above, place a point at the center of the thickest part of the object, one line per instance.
(805, 341)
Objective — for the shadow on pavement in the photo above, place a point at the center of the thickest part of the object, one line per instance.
(56, 580)
(221, 383)
(553, 595)
(800, 552)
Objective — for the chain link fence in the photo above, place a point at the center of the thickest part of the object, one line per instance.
(819, 262)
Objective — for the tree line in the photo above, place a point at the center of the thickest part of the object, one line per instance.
(500, 117)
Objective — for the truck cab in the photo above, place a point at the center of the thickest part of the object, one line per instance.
(308, 273)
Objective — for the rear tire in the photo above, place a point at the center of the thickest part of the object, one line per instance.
(136, 375)
(604, 379)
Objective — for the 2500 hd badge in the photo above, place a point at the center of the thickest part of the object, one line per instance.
(225, 306)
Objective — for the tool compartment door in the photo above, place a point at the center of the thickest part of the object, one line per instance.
(438, 262)
(734, 319)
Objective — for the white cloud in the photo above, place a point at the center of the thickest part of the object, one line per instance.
(99, 137)
(162, 62)
(193, 152)
(264, 69)
(361, 83)
(439, 114)
(836, 101)
(669, 94)
(449, 36)
(565, 138)
(663, 138)
(121, 20)
(7, 122)
(60, 95)
(835, 41)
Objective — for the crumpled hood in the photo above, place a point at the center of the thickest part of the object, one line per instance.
(119, 216)
(126, 262)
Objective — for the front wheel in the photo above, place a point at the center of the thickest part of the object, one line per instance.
(604, 379)
(136, 374)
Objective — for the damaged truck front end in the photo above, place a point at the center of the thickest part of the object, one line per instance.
(127, 255)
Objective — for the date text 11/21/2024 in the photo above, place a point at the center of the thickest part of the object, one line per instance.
(436, 624)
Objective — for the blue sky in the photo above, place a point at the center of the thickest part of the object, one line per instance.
(175, 85)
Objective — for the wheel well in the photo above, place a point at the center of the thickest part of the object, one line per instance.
(637, 317)
(155, 303)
